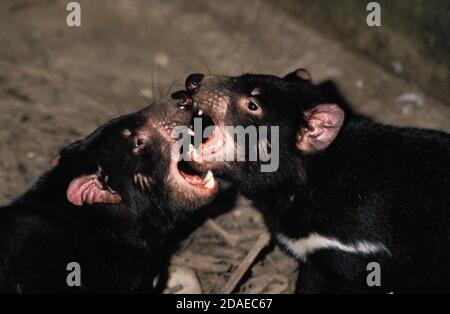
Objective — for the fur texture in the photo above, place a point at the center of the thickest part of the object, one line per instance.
(370, 184)
(111, 203)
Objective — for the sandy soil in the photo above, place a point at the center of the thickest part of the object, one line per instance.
(58, 83)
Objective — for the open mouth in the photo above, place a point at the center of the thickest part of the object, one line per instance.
(203, 180)
(207, 138)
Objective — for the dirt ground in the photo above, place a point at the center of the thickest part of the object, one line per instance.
(58, 84)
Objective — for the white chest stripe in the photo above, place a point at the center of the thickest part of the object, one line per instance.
(301, 248)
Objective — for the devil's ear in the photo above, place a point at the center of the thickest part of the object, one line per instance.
(324, 122)
(89, 189)
(298, 75)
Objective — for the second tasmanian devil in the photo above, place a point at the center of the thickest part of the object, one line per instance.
(349, 196)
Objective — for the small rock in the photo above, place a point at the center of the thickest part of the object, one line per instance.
(411, 98)
(182, 280)
(397, 67)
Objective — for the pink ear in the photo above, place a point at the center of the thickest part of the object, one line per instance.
(299, 74)
(303, 74)
(324, 122)
(88, 189)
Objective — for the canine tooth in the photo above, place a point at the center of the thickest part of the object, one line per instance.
(191, 132)
(210, 183)
(209, 176)
(200, 112)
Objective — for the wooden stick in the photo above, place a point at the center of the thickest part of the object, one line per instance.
(231, 239)
(259, 245)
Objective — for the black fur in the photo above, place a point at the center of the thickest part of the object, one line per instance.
(120, 247)
(374, 183)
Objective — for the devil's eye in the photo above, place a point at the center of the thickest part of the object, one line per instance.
(252, 106)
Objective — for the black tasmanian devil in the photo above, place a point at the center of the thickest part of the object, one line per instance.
(111, 204)
(364, 207)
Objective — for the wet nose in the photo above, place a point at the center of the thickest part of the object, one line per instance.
(193, 82)
(183, 100)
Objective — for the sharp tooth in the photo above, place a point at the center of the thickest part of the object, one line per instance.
(209, 176)
(200, 112)
(210, 183)
(191, 132)
(191, 147)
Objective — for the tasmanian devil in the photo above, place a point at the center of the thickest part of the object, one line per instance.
(364, 207)
(105, 218)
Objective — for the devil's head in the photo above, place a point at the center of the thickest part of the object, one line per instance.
(132, 161)
(306, 125)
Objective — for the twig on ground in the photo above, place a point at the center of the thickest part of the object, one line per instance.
(201, 262)
(231, 239)
(260, 244)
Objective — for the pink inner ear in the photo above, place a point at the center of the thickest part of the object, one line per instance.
(304, 74)
(324, 121)
(88, 189)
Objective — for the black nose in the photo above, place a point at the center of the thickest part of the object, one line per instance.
(193, 82)
(184, 101)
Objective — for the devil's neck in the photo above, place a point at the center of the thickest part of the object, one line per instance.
(267, 188)
(299, 197)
